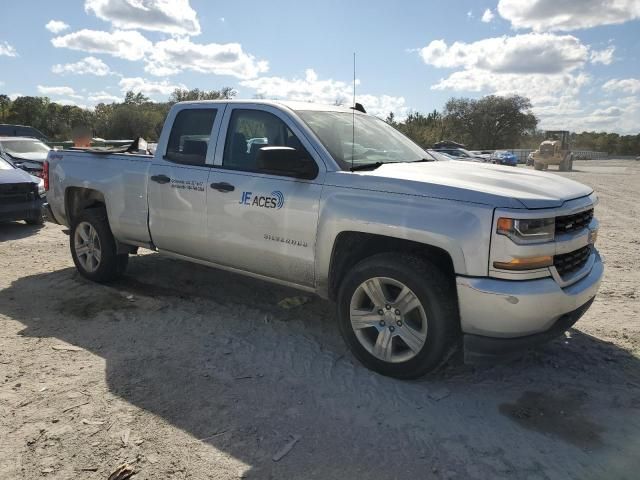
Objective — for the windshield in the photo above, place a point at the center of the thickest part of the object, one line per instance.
(16, 147)
(4, 165)
(358, 139)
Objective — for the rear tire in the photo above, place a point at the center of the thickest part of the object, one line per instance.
(93, 247)
(419, 321)
(538, 166)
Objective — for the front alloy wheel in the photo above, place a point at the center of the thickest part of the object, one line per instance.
(398, 313)
(388, 319)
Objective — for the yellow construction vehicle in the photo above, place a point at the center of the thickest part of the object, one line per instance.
(555, 150)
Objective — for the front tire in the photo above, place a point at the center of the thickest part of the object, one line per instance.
(398, 314)
(93, 247)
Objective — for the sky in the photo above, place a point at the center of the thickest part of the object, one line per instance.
(577, 60)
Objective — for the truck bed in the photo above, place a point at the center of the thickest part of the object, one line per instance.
(120, 177)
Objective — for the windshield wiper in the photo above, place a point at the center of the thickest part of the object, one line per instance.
(367, 166)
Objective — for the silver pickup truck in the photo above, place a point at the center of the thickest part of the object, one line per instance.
(416, 253)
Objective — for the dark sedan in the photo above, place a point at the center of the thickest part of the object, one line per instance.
(21, 195)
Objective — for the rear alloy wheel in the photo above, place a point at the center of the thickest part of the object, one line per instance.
(87, 246)
(398, 314)
(93, 247)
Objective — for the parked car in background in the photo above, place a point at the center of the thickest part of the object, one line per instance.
(26, 153)
(7, 130)
(484, 154)
(530, 160)
(460, 154)
(21, 195)
(504, 157)
(440, 156)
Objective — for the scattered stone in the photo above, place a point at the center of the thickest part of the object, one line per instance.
(123, 472)
(287, 448)
(67, 348)
(440, 394)
(292, 302)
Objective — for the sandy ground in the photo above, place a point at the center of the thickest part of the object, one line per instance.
(188, 372)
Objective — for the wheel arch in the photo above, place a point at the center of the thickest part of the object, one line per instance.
(77, 199)
(351, 247)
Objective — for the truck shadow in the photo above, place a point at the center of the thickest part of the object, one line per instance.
(215, 355)
(17, 230)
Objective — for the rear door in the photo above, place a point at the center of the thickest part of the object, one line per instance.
(257, 221)
(178, 181)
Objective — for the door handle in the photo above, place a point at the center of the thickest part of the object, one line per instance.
(160, 179)
(223, 187)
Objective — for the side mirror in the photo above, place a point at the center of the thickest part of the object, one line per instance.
(286, 161)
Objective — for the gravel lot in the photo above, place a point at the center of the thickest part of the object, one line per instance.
(189, 372)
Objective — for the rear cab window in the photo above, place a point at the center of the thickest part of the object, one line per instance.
(190, 134)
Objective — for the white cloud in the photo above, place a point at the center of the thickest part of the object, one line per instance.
(86, 66)
(539, 88)
(7, 50)
(604, 56)
(312, 89)
(147, 87)
(626, 85)
(528, 53)
(129, 45)
(56, 26)
(175, 55)
(487, 16)
(61, 91)
(103, 97)
(567, 15)
(167, 16)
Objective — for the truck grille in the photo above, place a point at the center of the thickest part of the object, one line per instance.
(570, 262)
(17, 192)
(571, 223)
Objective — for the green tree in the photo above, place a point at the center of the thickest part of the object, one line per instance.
(490, 122)
(183, 95)
(5, 104)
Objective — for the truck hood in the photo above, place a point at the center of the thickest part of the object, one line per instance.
(498, 186)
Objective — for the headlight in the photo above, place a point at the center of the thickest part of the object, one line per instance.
(530, 230)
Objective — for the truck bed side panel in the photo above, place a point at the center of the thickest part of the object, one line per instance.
(122, 180)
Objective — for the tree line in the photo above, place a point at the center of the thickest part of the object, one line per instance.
(495, 122)
(491, 122)
(135, 116)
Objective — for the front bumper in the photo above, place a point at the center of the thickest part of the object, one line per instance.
(20, 210)
(511, 309)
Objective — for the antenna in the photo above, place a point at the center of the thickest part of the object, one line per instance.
(353, 112)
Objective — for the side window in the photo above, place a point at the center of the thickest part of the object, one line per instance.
(251, 130)
(189, 138)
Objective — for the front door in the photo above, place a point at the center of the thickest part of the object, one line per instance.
(178, 182)
(257, 221)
